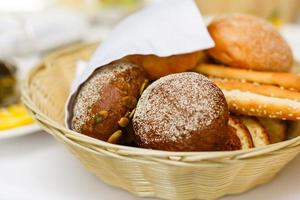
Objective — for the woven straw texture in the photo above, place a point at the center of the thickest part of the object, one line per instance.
(143, 172)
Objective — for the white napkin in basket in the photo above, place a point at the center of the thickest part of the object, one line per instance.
(166, 28)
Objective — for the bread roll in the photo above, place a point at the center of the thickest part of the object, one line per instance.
(248, 42)
(102, 102)
(157, 67)
(183, 112)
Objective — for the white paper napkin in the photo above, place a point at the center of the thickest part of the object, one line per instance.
(166, 28)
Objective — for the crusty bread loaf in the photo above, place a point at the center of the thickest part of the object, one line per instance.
(242, 132)
(258, 133)
(276, 128)
(249, 42)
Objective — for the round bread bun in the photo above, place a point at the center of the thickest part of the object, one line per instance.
(157, 67)
(181, 112)
(105, 98)
(245, 41)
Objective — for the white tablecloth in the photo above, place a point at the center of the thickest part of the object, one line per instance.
(36, 167)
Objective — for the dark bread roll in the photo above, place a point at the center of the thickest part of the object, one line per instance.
(245, 41)
(105, 98)
(182, 112)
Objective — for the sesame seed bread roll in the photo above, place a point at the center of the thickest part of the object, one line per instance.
(248, 42)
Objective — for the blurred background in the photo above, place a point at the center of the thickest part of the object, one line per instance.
(35, 26)
(32, 28)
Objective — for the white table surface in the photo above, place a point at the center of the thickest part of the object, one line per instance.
(37, 167)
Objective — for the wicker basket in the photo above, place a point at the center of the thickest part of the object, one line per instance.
(143, 172)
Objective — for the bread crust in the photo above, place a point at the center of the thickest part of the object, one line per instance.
(242, 132)
(183, 112)
(266, 90)
(252, 104)
(276, 128)
(262, 94)
(157, 67)
(245, 41)
(105, 98)
(286, 80)
(259, 135)
(233, 141)
(293, 129)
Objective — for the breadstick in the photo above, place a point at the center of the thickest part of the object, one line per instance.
(266, 90)
(286, 80)
(248, 103)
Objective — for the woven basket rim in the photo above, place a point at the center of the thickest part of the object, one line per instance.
(127, 150)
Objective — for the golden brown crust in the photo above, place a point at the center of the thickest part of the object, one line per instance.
(251, 104)
(241, 131)
(266, 90)
(276, 129)
(286, 80)
(245, 41)
(258, 133)
(157, 67)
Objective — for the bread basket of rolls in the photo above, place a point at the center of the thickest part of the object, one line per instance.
(194, 125)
